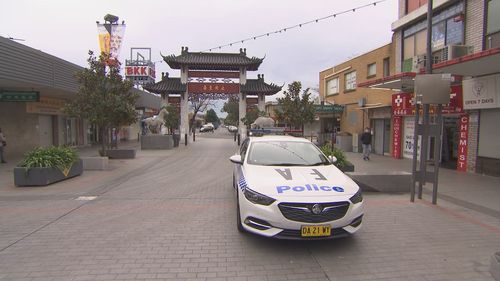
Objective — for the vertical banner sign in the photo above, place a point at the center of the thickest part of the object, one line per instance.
(111, 44)
(462, 143)
(396, 141)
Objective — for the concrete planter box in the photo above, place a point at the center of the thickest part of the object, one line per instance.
(157, 142)
(390, 182)
(121, 153)
(95, 163)
(44, 176)
(347, 168)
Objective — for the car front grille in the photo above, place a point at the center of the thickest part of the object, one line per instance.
(303, 212)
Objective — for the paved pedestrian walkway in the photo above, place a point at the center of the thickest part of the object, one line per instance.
(474, 191)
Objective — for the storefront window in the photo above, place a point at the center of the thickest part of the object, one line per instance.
(350, 81)
(493, 20)
(438, 35)
(454, 32)
(332, 86)
(372, 69)
(409, 47)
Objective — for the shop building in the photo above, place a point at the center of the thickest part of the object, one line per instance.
(34, 87)
(362, 107)
(466, 45)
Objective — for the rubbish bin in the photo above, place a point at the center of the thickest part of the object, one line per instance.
(177, 138)
(344, 141)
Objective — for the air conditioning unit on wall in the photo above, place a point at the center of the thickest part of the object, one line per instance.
(455, 51)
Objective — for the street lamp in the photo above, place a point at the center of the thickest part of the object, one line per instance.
(333, 122)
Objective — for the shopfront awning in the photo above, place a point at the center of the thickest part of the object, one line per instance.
(400, 82)
(375, 106)
(478, 64)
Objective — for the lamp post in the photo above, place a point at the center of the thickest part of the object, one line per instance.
(333, 122)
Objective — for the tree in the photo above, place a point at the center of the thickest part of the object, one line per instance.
(171, 118)
(232, 110)
(295, 109)
(104, 98)
(211, 117)
(198, 104)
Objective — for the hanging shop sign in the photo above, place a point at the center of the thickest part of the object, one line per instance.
(462, 143)
(482, 92)
(19, 96)
(46, 105)
(139, 68)
(396, 143)
(214, 88)
(328, 108)
(403, 104)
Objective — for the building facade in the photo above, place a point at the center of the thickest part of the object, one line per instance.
(34, 87)
(466, 45)
(363, 107)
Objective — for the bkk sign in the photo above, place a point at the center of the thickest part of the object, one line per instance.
(139, 68)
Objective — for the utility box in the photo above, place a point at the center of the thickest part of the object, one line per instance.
(344, 141)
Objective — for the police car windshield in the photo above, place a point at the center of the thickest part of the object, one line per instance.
(285, 153)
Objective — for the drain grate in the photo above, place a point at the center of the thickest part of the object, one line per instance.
(86, 198)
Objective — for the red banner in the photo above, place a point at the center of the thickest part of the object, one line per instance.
(462, 143)
(402, 104)
(213, 74)
(218, 88)
(396, 136)
(456, 101)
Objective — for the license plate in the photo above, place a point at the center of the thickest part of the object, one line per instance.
(315, 231)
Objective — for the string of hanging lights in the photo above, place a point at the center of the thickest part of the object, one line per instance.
(282, 30)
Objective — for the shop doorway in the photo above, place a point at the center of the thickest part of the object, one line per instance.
(449, 153)
(381, 136)
(45, 130)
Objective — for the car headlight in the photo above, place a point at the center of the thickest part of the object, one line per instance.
(257, 198)
(356, 198)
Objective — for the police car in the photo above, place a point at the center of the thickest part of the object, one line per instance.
(287, 188)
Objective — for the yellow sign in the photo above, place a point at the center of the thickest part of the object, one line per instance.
(50, 106)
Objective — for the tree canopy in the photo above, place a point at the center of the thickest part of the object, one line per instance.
(104, 98)
(251, 115)
(232, 110)
(211, 117)
(172, 118)
(295, 109)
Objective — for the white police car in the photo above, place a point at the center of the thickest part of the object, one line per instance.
(287, 188)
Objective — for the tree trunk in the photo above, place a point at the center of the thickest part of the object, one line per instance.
(102, 132)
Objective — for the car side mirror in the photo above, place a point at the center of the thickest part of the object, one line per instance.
(332, 158)
(236, 159)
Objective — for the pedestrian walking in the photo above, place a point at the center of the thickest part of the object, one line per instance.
(3, 143)
(366, 140)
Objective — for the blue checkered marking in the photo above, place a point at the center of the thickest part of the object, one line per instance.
(242, 184)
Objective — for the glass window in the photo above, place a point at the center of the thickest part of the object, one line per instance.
(454, 32)
(350, 81)
(387, 67)
(285, 153)
(372, 69)
(409, 48)
(332, 86)
(421, 42)
(438, 35)
(493, 20)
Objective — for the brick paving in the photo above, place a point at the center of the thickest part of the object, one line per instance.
(170, 215)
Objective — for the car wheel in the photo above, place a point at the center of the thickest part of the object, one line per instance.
(238, 215)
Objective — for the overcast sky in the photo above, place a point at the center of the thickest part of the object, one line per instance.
(67, 29)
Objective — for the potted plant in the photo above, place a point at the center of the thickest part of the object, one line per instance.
(43, 166)
(341, 163)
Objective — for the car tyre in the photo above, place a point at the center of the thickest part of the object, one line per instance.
(238, 215)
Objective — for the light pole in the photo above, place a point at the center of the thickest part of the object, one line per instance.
(333, 122)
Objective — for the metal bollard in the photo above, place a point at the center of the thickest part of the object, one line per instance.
(239, 139)
(234, 136)
(185, 139)
(194, 136)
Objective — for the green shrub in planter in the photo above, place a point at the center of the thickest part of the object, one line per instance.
(338, 153)
(55, 157)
